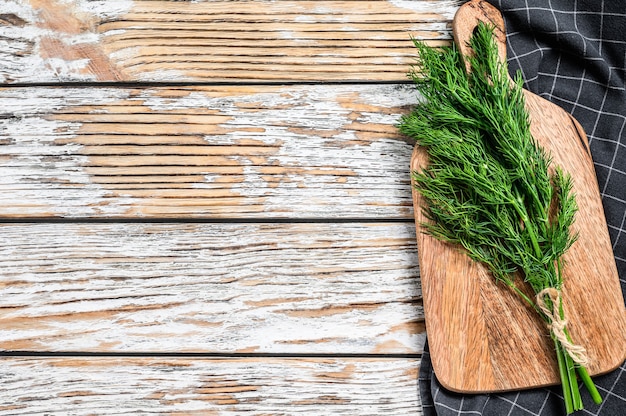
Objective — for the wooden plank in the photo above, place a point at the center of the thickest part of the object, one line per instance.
(49, 41)
(243, 151)
(180, 287)
(122, 386)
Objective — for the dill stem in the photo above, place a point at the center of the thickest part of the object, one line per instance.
(523, 213)
(571, 366)
(582, 371)
(565, 384)
(584, 375)
(589, 384)
(577, 402)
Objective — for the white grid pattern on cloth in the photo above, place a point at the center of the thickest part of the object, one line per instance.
(573, 53)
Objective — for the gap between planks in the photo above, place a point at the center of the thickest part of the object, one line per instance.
(200, 355)
(195, 220)
(191, 84)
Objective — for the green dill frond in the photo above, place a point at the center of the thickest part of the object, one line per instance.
(488, 186)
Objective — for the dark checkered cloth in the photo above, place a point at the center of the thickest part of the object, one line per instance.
(573, 53)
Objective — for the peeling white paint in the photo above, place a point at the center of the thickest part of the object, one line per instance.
(303, 18)
(23, 58)
(32, 68)
(103, 9)
(65, 70)
(287, 34)
(123, 54)
(445, 8)
(161, 75)
(195, 99)
(80, 39)
(18, 8)
(39, 172)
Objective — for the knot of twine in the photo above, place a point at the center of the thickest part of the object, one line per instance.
(557, 325)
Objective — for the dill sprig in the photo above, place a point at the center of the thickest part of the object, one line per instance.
(489, 187)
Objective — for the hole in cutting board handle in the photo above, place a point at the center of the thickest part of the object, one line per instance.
(475, 30)
(466, 21)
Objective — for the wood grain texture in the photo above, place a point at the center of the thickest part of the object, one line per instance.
(164, 386)
(277, 288)
(238, 152)
(481, 334)
(254, 40)
(100, 154)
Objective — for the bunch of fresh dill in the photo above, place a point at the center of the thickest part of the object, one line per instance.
(490, 188)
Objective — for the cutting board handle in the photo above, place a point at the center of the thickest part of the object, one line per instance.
(466, 20)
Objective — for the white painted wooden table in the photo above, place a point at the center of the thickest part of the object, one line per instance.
(205, 207)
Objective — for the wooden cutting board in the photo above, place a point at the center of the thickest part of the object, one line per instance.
(482, 337)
